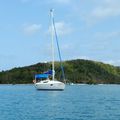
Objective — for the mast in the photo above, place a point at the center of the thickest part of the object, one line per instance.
(52, 45)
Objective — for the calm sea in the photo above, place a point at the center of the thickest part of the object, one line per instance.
(77, 102)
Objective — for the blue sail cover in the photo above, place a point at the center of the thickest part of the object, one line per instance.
(49, 72)
(38, 76)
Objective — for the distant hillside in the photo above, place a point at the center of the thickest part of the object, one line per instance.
(76, 71)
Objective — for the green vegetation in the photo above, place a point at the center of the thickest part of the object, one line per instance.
(76, 71)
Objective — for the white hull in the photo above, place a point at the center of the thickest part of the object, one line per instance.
(49, 85)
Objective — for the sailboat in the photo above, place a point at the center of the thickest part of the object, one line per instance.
(45, 83)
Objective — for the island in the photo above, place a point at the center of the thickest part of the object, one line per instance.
(76, 71)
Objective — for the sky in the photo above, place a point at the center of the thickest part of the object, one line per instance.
(87, 29)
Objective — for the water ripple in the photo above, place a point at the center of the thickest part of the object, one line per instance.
(24, 102)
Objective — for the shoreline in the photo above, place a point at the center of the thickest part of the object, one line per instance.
(66, 84)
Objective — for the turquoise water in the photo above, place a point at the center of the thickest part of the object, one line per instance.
(77, 102)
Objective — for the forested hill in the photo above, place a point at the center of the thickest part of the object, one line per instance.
(76, 71)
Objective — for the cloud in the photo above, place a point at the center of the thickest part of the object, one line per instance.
(84, 57)
(105, 12)
(66, 47)
(112, 62)
(62, 28)
(32, 29)
(94, 11)
(107, 35)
